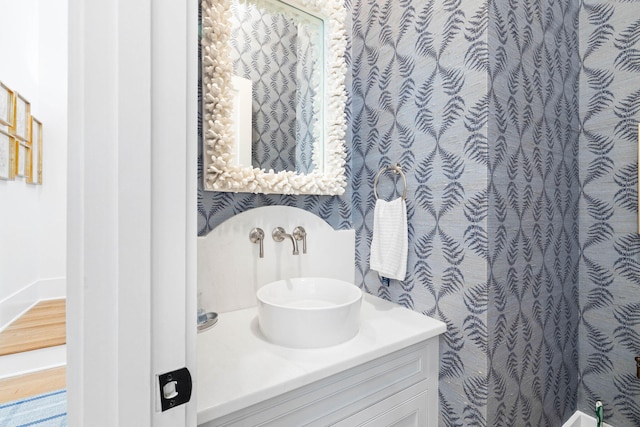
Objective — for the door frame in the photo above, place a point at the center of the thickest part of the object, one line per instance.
(131, 291)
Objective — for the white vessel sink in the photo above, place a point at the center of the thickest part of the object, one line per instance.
(309, 312)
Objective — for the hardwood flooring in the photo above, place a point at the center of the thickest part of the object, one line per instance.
(44, 325)
(16, 388)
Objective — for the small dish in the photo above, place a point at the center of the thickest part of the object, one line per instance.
(212, 319)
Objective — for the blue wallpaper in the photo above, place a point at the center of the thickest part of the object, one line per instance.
(533, 212)
(479, 105)
(516, 125)
(420, 98)
(610, 262)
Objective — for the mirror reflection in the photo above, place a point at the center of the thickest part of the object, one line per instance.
(277, 55)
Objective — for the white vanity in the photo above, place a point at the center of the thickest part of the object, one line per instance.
(386, 375)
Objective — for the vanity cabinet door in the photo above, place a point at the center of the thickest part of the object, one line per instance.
(404, 409)
(399, 389)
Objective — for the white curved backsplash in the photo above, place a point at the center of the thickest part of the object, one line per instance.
(230, 270)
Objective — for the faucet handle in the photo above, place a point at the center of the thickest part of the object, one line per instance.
(278, 234)
(256, 235)
(299, 233)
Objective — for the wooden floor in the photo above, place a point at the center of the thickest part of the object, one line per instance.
(16, 388)
(42, 326)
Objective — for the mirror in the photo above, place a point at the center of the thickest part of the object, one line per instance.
(274, 96)
(277, 55)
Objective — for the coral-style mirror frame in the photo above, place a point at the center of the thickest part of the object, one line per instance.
(220, 172)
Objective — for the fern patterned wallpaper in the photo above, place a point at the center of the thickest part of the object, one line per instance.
(513, 121)
(478, 102)
(533, 254)
(416, 100)
(609, 265)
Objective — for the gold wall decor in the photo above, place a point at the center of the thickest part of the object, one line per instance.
(22, 156)
(7, 145)
(7, 101)
(35, 170)
(20, 138)
(22, 118)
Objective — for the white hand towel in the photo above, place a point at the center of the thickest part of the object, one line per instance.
(389, 244)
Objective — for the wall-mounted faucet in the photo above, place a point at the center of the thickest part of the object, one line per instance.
(256, 235)
(279, 235)
(300, 233)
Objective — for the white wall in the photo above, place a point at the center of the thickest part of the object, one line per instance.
(33, 45)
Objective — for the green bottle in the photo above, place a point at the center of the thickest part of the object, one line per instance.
(599, 414)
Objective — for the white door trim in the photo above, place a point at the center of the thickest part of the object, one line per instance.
(131, 207)
(173, 194)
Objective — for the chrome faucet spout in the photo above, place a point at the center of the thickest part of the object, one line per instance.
(279, 235)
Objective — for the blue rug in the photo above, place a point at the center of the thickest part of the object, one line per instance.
(45, 410)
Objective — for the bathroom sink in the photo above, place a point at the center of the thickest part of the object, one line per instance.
(309, 312)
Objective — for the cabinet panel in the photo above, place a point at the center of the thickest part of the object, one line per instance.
(412, 413)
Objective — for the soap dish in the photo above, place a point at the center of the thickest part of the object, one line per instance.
(212, 319)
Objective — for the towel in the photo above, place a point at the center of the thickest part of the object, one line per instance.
(389, 244)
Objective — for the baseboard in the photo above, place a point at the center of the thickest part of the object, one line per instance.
(19, 302)
(52, 288)
(12, 365)
(580, 419)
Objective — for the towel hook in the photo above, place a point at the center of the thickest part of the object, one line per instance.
(397, 169)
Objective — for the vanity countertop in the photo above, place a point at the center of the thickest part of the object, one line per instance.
(238, 368)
